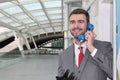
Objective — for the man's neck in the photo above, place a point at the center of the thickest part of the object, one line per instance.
(78, 42)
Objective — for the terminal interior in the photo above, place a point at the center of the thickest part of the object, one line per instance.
(34, 32)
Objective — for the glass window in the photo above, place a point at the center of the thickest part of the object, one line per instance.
(41, 18)
(26, 21)
(37, 13)
(1, 15)
(5, 5)
(49, 4)
(54, 11)
(21, 16)
(56, 16)
(33, 6)
(49, 29)
(21, 27)
(5, 20)
(14, 24)
(58, 28)
(13, 10)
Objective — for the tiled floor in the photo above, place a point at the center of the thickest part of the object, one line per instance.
(37, 67)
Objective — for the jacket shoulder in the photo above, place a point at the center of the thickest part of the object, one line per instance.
(102, 43)
(67, 50)
(103, 46)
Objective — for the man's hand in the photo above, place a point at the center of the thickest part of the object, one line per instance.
(66, 77)
(90, 36)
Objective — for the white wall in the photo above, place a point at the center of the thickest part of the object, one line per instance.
(105, 22)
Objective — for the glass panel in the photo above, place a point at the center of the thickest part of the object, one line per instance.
(44, 22)
(33, 28)
(21, 27)
(49, 4)
(33, 33)
(49, 29)
(58, 28)
(40, 30)
(24, 30)
(32, 6)
(15, 24)
(56, 20)
(55, 16)
(13, 10)
(26, 21)
(54, 11)
(41, 18)
(45, 25)
(56, 24)
(27, 1)
(1, 15)
(5, 20)
(33, 24)
(21, 16)
(5, 4)
(37, 13)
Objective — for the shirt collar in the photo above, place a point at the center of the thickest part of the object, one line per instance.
(82, 45)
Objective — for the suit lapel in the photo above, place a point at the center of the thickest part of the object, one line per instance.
(86, 57)
(71, 58)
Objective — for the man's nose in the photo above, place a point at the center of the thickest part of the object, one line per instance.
(76, 24)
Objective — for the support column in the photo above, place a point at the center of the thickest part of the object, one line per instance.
(27, 43)
(34, 42)
(66, 27)
(65, 40)
(69, 6)
(19, 42)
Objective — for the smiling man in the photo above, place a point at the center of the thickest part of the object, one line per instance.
(88, 60)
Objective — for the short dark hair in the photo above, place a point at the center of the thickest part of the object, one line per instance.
(81, 11)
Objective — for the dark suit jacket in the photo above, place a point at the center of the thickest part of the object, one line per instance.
(98, 67)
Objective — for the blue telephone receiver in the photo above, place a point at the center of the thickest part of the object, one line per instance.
(81, 37)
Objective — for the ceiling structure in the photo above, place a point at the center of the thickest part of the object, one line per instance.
(32, 17)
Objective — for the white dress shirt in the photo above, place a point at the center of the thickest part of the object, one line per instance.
(77, 51)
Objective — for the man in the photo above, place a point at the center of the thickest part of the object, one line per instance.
(97, 60)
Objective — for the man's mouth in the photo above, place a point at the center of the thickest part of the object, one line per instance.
(77, 29)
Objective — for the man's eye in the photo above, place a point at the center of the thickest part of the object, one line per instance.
(72, 22)
(81, 21)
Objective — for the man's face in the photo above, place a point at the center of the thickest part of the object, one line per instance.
(78, 24)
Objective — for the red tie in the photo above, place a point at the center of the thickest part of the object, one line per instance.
(80, 56)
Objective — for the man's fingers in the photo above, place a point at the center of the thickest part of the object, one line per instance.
(66, 77)
(75, 78)
(66, 73)
(58, 78)
(90, 33)
(72, 76)
(95, 35)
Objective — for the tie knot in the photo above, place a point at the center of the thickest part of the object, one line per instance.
(80, 48)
